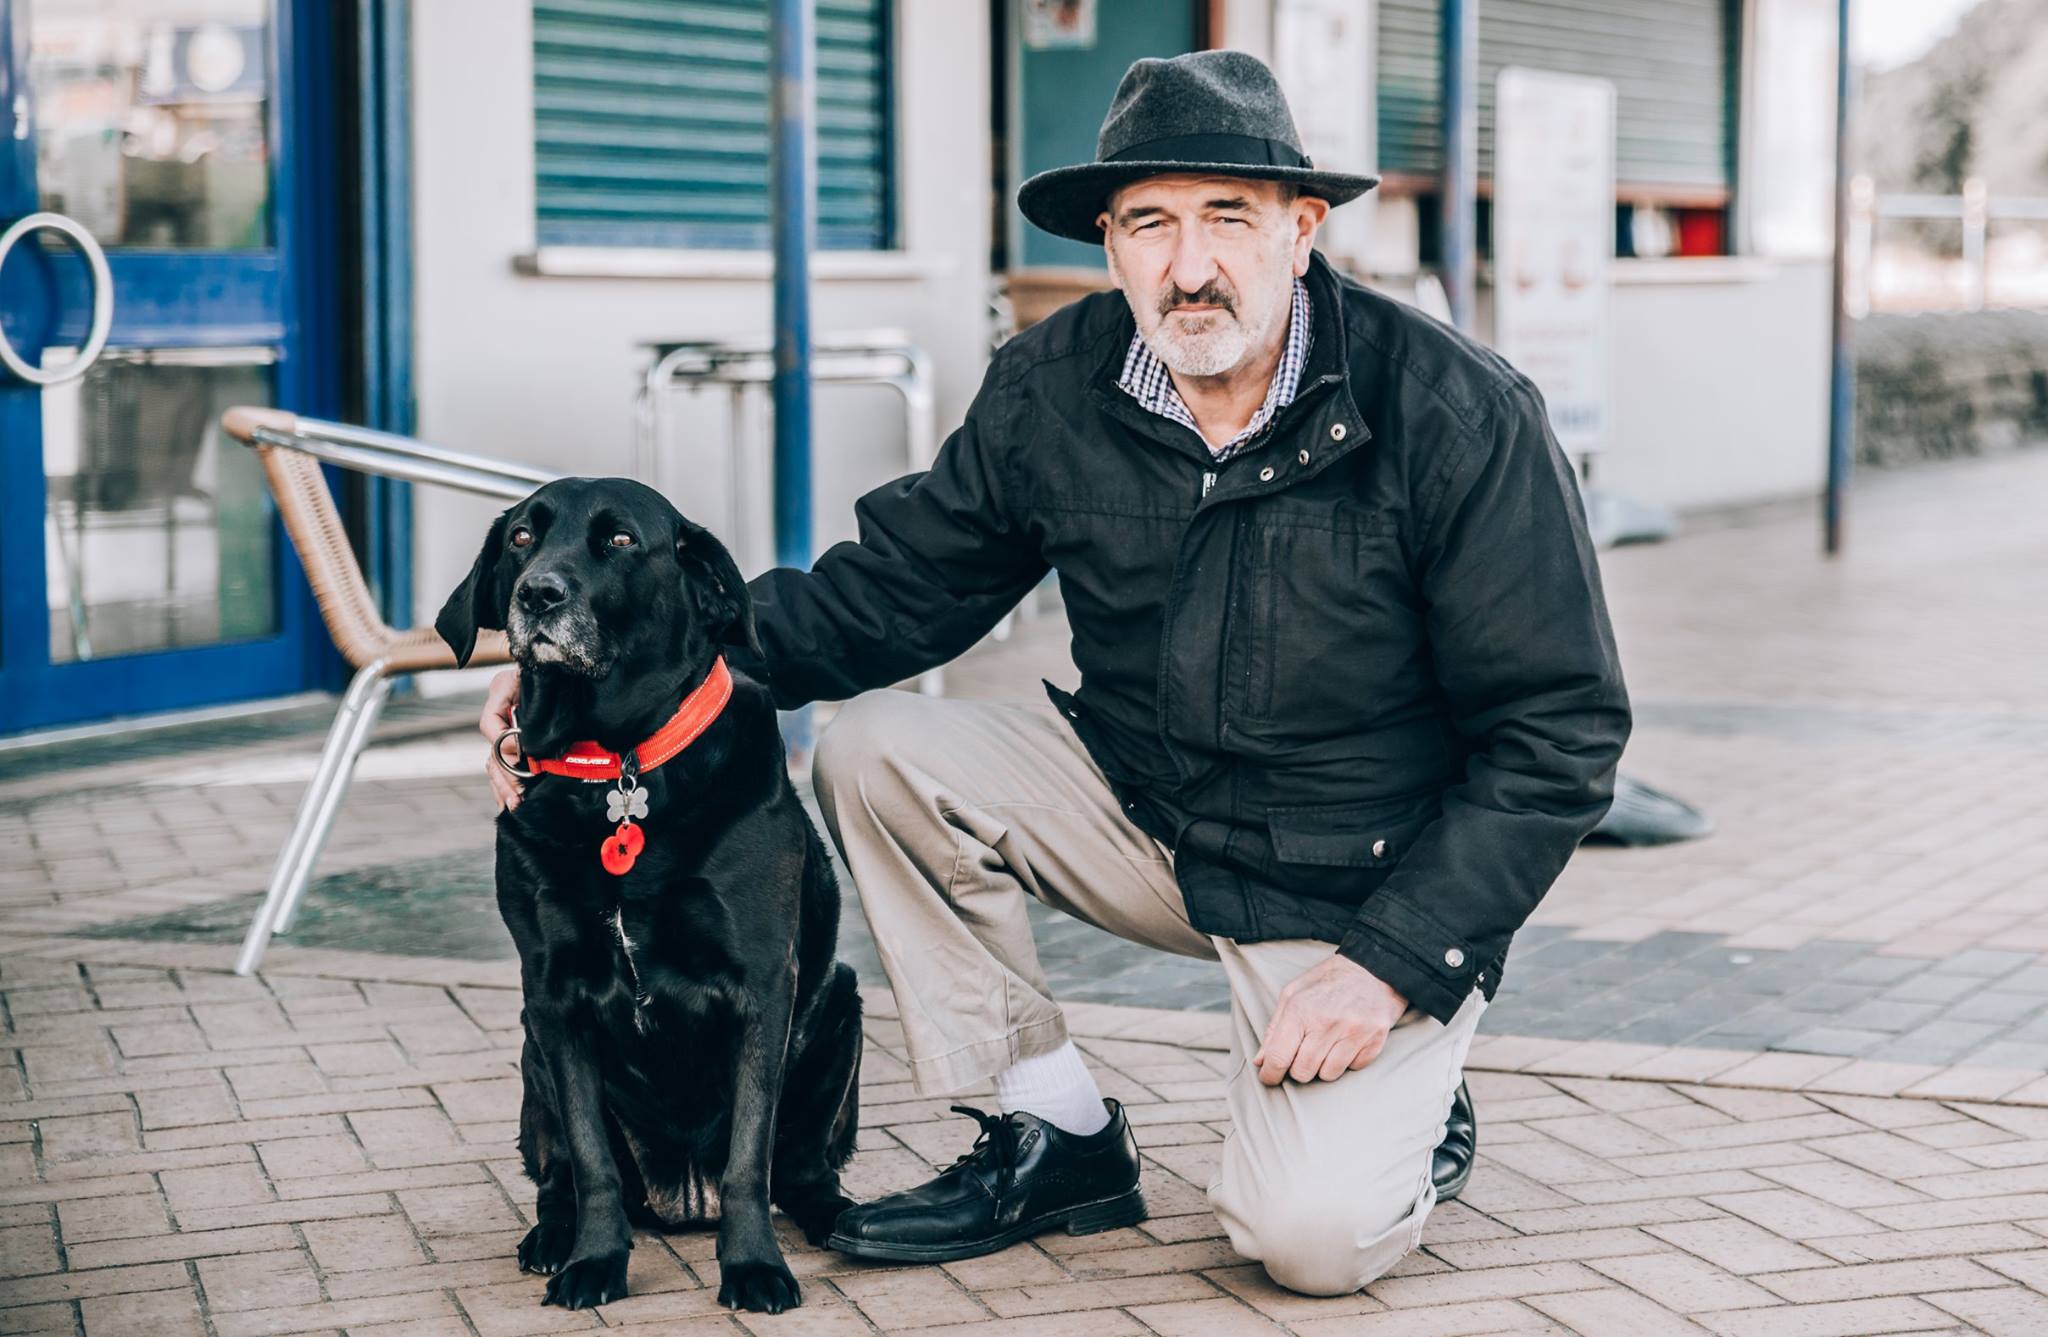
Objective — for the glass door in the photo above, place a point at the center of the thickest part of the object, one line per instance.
(141, 562)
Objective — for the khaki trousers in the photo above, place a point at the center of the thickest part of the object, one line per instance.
(949, 813)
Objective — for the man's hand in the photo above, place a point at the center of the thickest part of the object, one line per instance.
(496, 719)
(1332, 1020)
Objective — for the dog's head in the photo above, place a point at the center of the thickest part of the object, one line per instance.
(591, 574)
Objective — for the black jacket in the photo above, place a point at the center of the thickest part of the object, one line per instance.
(1360, 677)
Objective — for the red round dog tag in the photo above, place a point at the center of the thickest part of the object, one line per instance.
(621, 848)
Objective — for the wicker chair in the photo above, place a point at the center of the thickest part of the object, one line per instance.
(291, 450)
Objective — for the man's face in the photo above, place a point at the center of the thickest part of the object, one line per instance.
(1208, 265)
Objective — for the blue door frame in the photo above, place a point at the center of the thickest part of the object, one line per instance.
(284, 297)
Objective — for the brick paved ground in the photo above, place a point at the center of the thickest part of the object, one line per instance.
(1791, 1079)
(185, 1151)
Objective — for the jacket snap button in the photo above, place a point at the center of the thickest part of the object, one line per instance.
(1454, 958)
(1337, 430)
(1303, 457)
(1266, 474)
(1379, 849)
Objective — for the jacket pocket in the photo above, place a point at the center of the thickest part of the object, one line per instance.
(1329, 631)
(1350, 835)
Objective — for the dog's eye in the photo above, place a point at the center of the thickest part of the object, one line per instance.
(622, 540)
(522, 537)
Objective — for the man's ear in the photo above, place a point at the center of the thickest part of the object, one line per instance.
(479, 601)
(720, 592)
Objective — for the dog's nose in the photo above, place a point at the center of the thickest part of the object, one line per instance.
(542, 591)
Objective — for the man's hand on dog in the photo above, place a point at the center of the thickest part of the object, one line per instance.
(1332, 1020)
(497, 718)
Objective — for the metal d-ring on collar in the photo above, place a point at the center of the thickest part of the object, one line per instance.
(498, 751)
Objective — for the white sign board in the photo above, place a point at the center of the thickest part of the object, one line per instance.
(1553, 245)
(1789, 134)
(1319, 49)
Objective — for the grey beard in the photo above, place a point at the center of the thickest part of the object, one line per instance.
(1210, 353)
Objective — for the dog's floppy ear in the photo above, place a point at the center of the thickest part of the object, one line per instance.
(479, 601)
(720, 591)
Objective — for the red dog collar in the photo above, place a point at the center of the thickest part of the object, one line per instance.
(588, 761)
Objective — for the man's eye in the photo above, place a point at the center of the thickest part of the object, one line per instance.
(1242, 222)
(1147, 227)
(522, 537)
(622, 540)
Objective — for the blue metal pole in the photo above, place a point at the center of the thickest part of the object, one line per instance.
(1842, 374)
(792, 171)
(1458, 219)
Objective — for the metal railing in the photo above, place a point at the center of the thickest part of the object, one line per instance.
(1975, 210)
(388, 455)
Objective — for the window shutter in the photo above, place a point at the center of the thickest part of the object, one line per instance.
(651, 123)
(1671, 62)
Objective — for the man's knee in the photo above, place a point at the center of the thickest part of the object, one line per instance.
(1315, 1240)
(859, 742)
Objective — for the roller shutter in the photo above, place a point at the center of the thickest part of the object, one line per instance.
(651, 123)
(1671, 62)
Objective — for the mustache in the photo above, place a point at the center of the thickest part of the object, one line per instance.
(1212, 293)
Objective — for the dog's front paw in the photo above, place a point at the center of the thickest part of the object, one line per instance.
(764, 1288)
(816, 1216)
(547, 1247)
(587, 1283)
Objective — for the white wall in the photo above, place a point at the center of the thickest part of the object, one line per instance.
(1720, 380)
(543, 369)
(1721, 388)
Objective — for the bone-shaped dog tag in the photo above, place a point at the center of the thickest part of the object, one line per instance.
(623, 804)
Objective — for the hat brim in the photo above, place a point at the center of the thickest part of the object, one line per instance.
(1066, 201)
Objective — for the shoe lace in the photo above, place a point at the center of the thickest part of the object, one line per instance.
(996, 1145)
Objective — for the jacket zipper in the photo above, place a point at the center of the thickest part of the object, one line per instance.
(1208, 481)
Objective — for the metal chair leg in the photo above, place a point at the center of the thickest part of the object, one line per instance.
(361, 690)
(330, 804)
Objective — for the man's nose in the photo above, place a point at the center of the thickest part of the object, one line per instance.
(1194, 263)
(542, 591)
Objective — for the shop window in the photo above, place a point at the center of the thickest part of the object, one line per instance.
(651, 124)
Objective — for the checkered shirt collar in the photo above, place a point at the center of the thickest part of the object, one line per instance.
(1146, 379)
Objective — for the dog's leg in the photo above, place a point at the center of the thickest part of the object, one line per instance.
(821, 1111)
(752, 1274)
(596, 1271)
(546, 1157)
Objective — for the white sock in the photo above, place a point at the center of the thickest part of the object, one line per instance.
(1057, 1087)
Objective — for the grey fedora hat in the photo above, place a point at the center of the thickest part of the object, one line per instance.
(1217, 113)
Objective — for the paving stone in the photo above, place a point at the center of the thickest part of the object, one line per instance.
(121, 1217)
(27, 1250)
(1850, 1318)
(1735, 1246)
(164, 1313)
(1615, 1311)
(1203, 1318)
(1683, 1283)
(258, 1281)
(2006, 1312)
(1797, 1216)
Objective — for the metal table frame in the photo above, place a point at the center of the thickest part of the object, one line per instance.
(869, 357)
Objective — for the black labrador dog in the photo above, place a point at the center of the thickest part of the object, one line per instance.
(688, 1029)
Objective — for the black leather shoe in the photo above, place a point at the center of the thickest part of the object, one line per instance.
(1454, 1154)
(1023, 1176)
